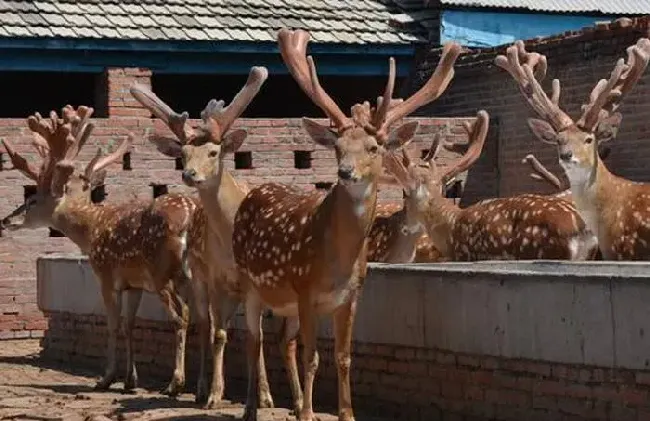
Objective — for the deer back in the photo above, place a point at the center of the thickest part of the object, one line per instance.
(523, 227)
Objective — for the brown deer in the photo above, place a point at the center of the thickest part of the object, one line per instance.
(210, 261)
(131, 247)
(304, 253)
(523, 227)
(397, 237)
(614, 208)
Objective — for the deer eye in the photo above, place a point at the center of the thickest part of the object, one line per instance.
(589, 139)
(212, 154)
(373, 149)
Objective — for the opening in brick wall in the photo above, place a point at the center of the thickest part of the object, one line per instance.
(178, 164)
(186, 92)
(55, 233)
(302, 159)
(98, 194)
(28, 191)
(62, 88)
(454, 190)
(159, 189)
(2, 161)
(243, 160)
(323, 185)
(126, 161)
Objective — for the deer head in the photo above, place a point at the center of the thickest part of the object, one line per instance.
(424, 182)
(578, 142)
(360, 140)
(203, 147)
(58, 142)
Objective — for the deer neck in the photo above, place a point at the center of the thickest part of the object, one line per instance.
(410, 231)
(344, 219)
(595, 196)
(221, 204)
(440, 217)
(78, 221)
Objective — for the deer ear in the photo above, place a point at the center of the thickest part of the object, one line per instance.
(401, 135)
(233, 140)
(543, 131)
(607, 129)
(320, 134)
(167, 146)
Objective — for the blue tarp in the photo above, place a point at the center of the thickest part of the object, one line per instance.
(490, 29)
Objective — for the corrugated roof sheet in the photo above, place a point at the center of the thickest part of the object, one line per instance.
(617, 7)
(329, 21)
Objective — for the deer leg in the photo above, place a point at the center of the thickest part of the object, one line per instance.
(113, 304)
(179, 312)
(222, 307)
(254, 346)
(288, 346)
(204, 328)
(310, 356)
(343, 322)
(133, 298)
(265, 397)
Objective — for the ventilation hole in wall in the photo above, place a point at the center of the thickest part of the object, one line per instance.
(323, 185)
(98, 194)
(243, 160)
(302, 159)
(178, 163)
(454, 190)
(55, 233)
(29, 191)
(159, 189)
(126, 161)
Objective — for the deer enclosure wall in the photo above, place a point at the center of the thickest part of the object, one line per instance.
(578, 60)
(275, 150)
(481, 341)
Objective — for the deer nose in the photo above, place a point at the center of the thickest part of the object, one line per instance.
(566, 155)
(345, 172)
(188, 175)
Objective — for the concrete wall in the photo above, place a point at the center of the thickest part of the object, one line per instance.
(502, 340)
(272, 143)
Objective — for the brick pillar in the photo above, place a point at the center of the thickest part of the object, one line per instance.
(120, 101)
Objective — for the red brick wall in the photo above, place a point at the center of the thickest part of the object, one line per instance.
(272, 143)
(579, 60)
(395, 382)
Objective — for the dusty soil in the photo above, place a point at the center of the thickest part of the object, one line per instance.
(32, 389)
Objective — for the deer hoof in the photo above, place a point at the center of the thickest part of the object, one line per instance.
(307, 415)
(250, 414)
(104, 383)
(212, 402)
(173, 389)
(266, 400)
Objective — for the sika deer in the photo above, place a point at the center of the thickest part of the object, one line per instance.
(528, 226)
(131, 247)
(616, 209)
(210, 261)
(397, 237)
(305, 254)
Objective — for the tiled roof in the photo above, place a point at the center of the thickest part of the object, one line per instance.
(614, 7)
(329, 21)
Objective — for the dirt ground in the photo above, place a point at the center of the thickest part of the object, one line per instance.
(31, 389)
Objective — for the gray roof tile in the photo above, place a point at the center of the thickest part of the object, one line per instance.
(329, 21)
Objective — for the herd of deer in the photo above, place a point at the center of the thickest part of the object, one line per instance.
(304, 253)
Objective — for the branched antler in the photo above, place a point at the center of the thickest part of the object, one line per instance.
(477, 133)
(216, 118)
(547, 108)
(607, 95)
